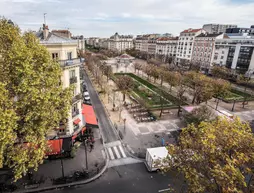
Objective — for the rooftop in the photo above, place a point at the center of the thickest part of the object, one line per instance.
(208, 35)
(191, 30)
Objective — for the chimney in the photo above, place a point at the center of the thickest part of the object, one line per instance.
(45, 31)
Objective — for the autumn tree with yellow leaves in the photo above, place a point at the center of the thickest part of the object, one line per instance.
(215, 156)
(32, 99)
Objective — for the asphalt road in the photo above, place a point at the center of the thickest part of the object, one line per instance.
(104, 123)
(132, 178)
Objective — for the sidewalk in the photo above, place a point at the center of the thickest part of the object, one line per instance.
(49, 174)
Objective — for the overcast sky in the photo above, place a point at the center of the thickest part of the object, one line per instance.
(105, 17)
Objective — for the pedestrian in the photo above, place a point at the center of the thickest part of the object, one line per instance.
(91, 147)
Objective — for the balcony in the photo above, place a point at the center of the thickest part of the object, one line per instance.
(76, 98)
(75, 113)
(73, 80)
(75, 61)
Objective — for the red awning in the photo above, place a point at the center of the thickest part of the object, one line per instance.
(76, 121)
(89, 115)
(54, 146)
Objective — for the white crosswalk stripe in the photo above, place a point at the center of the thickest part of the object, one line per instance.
(116, 152)
(111, 153)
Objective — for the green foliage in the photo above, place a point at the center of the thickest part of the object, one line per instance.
(34, 99)
(199, 114)
(215, 156)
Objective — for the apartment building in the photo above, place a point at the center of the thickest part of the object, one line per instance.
(64, 50)
(143, 41)
(234, 31)
(186, 43)
(203, 49)
(166, 46)
(235, 53)
(120, 42)
(151, 46)
(217, 28)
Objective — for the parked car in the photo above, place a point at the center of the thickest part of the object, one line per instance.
(86, 96)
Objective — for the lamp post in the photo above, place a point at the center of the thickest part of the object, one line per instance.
(61, 160)
(233, 105)
(218, 100)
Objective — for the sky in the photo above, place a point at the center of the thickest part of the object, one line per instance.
(102, 18)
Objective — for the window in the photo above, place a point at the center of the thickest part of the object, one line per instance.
(55, 55)
(69, 55)
(75, 107)
(222, 52)
(221, 57)
(72, 73)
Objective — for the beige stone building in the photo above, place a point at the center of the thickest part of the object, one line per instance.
(64, 49)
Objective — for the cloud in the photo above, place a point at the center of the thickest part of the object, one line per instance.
(104, 18)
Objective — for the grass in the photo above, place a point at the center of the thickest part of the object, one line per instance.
(238, 96)
(154, 98)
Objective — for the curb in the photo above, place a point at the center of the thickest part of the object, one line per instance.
(69, 184)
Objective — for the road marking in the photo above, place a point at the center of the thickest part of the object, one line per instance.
(122, 152)
(103, 154)
(164, 190)
(117, 153)
(111, 153)
(129, 148)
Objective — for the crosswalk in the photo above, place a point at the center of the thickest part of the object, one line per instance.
(115, 150)
(117, 155)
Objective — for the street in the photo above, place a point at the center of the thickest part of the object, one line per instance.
(104, 123)
(132, 178)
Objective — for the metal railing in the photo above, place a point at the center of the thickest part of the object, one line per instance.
(64, 63)
(75, 113)
(73, 80)
(76, 98)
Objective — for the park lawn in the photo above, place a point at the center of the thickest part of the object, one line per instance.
(166, 95)
(238, 96)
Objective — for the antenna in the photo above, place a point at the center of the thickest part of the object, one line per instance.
(45, 18)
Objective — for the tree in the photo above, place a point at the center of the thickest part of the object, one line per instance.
(154, 72)
(172, 78)
(221, 72)
(198, 115)
(221, 87)
(202, 86)
(33, 100)
(137, 66)
(124, 83)
(215, 156)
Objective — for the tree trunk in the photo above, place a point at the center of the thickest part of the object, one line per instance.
(154, 80)
(161, 81)
(193, 100)
(123, 96)
(170, 88)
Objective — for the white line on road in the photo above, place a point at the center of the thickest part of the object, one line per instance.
(103, 154)
(164, 190)
(129, 148)
(111, 153)
(117, 153)
(122, 152)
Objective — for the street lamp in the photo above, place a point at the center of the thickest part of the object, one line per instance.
(61, 151)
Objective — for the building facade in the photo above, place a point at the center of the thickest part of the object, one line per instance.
(166, 47)
(186, 43)
(64, 50)
(235, 54)
(234, 31)
(203, 50)
(217, 28)
(120, 42)
(151, 47)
